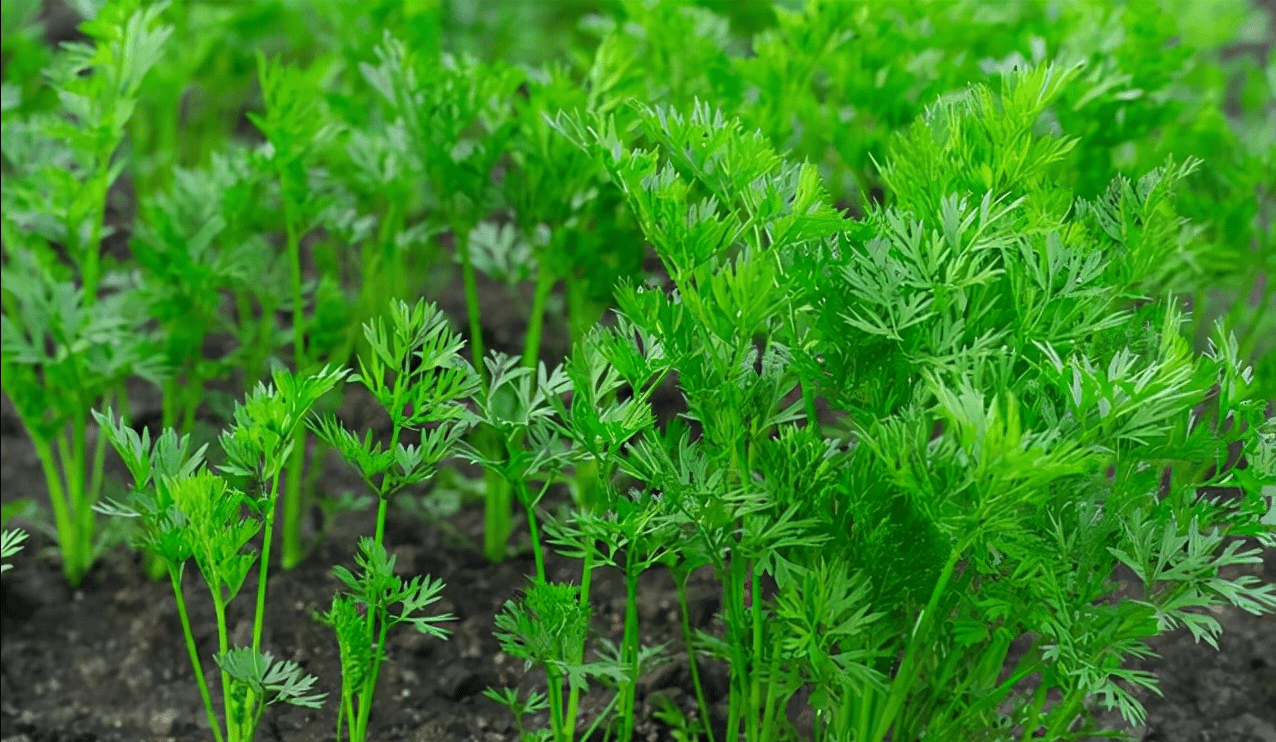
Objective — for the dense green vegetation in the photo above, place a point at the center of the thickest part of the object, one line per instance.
(966, 304)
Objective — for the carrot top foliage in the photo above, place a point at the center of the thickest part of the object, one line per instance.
(962, 308)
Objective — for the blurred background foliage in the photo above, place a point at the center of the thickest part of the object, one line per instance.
(829, 82)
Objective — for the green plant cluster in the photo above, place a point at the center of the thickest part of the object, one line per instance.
(965, 306)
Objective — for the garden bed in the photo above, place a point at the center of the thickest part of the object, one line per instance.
(105, 663)
(713, 372)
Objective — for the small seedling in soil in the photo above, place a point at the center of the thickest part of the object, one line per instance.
(413, 367)
(184, 511)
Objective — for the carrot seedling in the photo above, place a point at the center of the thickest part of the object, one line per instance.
(186, 512)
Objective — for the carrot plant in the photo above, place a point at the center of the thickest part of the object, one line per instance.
(440, 104)
(986, 376)
(65, 347)
(60, 357)
(186, 511)
(959, 311)
(414, 370)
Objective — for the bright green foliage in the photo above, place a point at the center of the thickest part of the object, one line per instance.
(970, 436)
(63, 349)
(963, 306)
(10, 546)
(61, 356)
(546, 628)
(185, 511)
(361, 618)
(415, 370)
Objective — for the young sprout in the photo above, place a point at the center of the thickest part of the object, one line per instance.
(413, 367)
(184, 511)
(362, 616)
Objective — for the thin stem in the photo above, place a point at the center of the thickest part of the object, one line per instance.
(74, 469)
(733, 601)
(630, 653)
(908, 666)
(168, 403)
(92, 250)
(536, 540)
(195, 392)
(1063, 720)
(1034, 714)
(383, 504)
(812, 414)
(370, 684)
(57, 498)
(573, 695)
(263, 570)
(297, 462)
(472, 309)
(99, 465)
(292, 551)
(175, 576)
(755, 679)
(223, 645)
(347, 707)
(688, 639)
(536, 323)
(772, 691)
(556, 721)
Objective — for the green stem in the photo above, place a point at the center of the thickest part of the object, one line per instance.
(536, 323)
(291, 545)
(1034, 715)
(263, 570)
(263, 347)
(556, 721)
(168, 403)
(496, 513)
(370, 684)
(175, 576)
(472, 309)
(755, 679)
(259, 613)
(223, 645)
(292, 551)
(772, 690)
(535, 533)
(688, 639)
(909, 665)
(733, 602)
(812, 414)
(630, 653)
(348, 708)
(194, 394)
(383, 504)
(78, 555)
(1062, 720)
(99, 466)
(58, 500)
(92, 250)
(573, 695)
